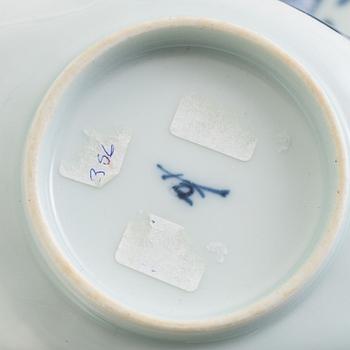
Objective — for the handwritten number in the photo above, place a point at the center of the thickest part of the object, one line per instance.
(94, 174)
(103, 159)
(111, 151)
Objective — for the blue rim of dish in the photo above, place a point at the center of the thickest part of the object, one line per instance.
(316, 18)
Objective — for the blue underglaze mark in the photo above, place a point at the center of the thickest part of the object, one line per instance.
(343, 2)
(185, 188)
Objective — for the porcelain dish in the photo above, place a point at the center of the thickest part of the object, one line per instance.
(35, 313)
(285, 203)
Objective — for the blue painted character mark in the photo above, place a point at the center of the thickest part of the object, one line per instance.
(185, 188)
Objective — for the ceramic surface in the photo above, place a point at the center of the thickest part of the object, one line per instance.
(37, 316)
(278, 227)
(334, 13)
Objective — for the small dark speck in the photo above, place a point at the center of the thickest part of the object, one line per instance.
(153, 222)
(336, 161)
(338, 192)
(153, 270)
(66, 341)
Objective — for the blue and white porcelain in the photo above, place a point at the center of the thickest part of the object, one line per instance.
(278, 211)
(74, 294)
(335, 13)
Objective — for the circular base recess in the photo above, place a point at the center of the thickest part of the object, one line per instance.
(255, 246)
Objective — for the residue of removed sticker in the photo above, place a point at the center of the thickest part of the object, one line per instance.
(99, 160)
(204, 123)
(219, 249)
(283, 142)
(160, 249)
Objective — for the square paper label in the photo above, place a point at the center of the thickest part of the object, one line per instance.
(99, 160)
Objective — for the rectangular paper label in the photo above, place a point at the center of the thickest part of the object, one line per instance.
(100, 159)
(159, 249)
(201, 122)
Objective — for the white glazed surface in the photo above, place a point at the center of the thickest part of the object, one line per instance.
(31, 303)
(285, 210)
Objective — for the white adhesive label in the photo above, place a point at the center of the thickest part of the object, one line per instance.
(159, 248)
(203, 123)
(99, 160)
